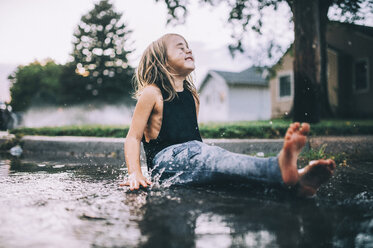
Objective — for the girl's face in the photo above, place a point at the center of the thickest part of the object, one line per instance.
(179, 56)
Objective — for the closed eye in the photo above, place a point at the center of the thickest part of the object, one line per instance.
(182, 46)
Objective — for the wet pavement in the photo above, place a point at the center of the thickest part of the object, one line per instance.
(72, 204)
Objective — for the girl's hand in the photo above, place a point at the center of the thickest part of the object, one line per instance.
(135, 179)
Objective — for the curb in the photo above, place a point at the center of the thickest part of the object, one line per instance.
(95, 147)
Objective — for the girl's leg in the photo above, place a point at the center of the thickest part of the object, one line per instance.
(195, 161)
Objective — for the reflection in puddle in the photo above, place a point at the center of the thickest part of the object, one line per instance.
(70, 204)
(212, 231)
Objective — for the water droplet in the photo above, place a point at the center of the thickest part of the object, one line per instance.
(260, 154)
(16, 151)
(57, 166)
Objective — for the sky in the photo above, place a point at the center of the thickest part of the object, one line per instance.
(44, 28)
(40, 29)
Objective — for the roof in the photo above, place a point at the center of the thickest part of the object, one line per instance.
(250, 76)
(253, 76)
(366, 30)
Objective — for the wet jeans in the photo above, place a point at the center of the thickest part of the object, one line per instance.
(194, 161)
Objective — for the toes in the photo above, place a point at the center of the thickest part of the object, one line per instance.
(324, 165)
(315, 174)
(331, 164)
(290, 130)
(294, 126)
(305, 129)
(313, 162)
(328, 163)
(288, 135)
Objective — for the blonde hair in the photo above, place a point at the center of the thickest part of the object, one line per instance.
(153, 70)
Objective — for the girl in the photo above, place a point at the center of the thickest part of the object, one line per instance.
(165, 120)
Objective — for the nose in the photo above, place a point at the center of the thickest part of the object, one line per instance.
(189, 50)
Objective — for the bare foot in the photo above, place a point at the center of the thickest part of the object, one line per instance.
(295, 139)
(313, 175)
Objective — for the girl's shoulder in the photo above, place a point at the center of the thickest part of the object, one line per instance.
(151, 91)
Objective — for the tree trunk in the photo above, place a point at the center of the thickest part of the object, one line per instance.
(310, 87)
(326, 110)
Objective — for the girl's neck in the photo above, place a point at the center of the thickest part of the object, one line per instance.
(178, 83)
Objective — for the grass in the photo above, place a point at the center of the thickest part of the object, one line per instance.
(246, 129)
(86, 130)
(315, 154)
(277, 128)
(341, 159)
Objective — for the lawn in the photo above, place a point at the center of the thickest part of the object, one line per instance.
(245, 129)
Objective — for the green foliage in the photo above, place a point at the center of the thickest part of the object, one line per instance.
(277, 128)
(247, 15)
(94, 131)
(100, 69)
(244, 130)
(308, 155)
(315, 154)
(238, 130)
(73, 86)
(35, 83)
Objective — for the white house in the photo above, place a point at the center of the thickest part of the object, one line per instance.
(235, 96)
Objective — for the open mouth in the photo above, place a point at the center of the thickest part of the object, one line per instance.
(189, 59)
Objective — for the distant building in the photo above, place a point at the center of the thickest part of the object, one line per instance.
(349, 72)
(235, 96)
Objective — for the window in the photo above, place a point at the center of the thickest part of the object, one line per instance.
(285, 86)
(361, 75)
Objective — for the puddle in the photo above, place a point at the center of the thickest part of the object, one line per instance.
(70, 204)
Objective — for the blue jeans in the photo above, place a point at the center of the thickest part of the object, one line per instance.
(196, 162)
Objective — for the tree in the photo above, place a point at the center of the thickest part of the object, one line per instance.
(99, 69)
(310, 18)
(35, 83)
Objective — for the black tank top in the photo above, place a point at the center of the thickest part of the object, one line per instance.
(179, 125)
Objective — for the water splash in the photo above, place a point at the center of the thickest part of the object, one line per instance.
(162, 179)
(16, 151)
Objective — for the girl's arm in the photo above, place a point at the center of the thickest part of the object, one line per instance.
(140, 118)
(197, 106)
